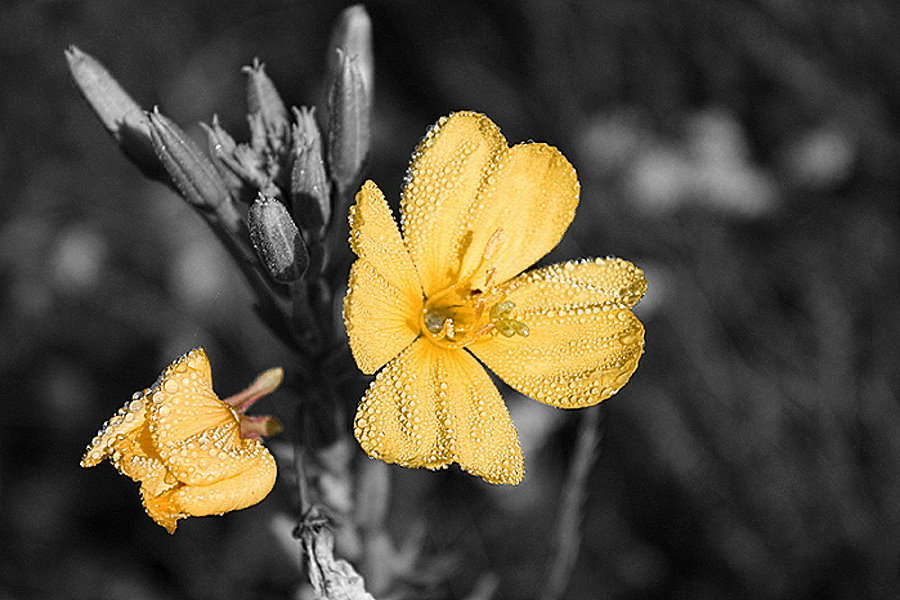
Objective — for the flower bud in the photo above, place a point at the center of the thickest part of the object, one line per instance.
(118, 112)
(193, 173)
(277, 240)
(310, 193)
(348, 123)
(266, 111)
(238, 164)
(221, 147)
(353, 35)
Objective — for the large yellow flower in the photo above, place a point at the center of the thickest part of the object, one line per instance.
(184, 446)
(475, 214)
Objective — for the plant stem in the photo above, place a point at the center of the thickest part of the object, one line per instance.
(568, 527)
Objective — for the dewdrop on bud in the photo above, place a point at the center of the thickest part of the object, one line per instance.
(277, 240)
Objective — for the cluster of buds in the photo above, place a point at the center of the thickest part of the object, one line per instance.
(272, 200)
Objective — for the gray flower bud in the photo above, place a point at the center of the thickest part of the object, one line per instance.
(277, 240)
(310, 190)
(118, 112)
(190, 169)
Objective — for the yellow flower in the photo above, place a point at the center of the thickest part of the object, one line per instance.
(185, 447)
(475, 214)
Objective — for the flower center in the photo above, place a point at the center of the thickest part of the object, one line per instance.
(459, 316)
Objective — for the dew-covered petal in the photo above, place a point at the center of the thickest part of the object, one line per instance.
(214, 455)
(134, 456)
(182, 404)
(374, 236)
(446, 171)
(380, 320)
(430, 407)
(162, 509)
(522, 211)
(384, 299)
(583, 342)
(128, 420)
(234, 493)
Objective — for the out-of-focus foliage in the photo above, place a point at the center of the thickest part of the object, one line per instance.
(744, 152)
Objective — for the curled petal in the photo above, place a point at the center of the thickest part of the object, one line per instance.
(128, 420)
(583, 342)
(233, 493)
(430, 407)
(183, 404)
(134, 456)
(214, 499)
(446, 172)
(214, 455)
(161, 509)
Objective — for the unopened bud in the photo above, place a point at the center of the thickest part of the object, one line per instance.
(353, 35)
(310, 190)
(348, 123)
(267, 113)
(277, 240)
(191, 170)
(118, 112)
(221, 147)
(238, 164)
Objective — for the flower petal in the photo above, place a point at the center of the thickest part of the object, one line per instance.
(530, 199)
(223, 496)
(447, 169)
(134, 456)
(384, 299)
(161, 509)
(430, 407)
(226, 495)
(374, 236)
(183, 404)
(583, 342)
(213, 455)
(379, 319)
(128, 420)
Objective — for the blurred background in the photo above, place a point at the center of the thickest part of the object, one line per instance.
(744, 153)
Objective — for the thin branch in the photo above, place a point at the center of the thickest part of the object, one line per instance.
(568, 527)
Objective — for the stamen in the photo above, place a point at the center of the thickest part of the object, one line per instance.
(434, 322)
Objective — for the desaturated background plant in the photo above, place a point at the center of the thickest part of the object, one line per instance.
(745, 154)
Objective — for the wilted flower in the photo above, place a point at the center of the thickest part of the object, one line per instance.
(475, 213)
(192, 453)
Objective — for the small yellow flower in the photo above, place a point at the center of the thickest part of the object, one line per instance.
(475, 214)
(185, 447)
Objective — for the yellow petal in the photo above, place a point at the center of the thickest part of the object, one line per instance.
(374, 236)
(384, 299)
(214, 455)
(520, 214)
(226, 495)
(161, 509)
(183, 404)
(430, 407)
(447, 169)
(129, 419)
(583, 342)
(134, 456)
